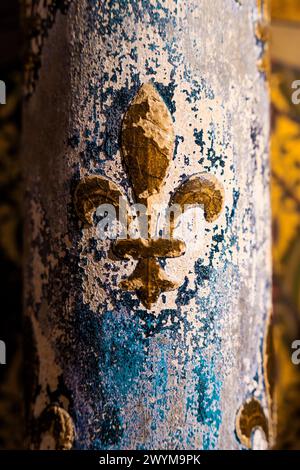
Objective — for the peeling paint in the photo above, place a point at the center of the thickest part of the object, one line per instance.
(172, 376)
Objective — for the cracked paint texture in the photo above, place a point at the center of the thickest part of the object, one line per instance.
(175, 375)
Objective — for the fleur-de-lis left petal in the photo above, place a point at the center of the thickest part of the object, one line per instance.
(91, 192)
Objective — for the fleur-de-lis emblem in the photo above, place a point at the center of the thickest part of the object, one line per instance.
(147, 150)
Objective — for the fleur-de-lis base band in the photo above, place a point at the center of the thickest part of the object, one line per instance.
(147, 148)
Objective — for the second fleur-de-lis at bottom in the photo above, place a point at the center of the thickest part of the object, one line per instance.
(147, 150)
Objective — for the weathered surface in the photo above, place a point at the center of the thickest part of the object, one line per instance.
(174, 375)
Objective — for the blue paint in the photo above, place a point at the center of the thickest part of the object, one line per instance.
(208, 411)
(114, 348)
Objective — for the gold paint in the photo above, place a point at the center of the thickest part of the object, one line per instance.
(93, 191)
(147, 150)
(149, 280)
(147, 142)
(250, 417)
(56, 422)
(144, 248)
(262, 33)
(251, 414)
(201, 189)
(263, 64)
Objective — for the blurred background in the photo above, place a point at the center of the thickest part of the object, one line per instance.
(284, 49)
(285, 194)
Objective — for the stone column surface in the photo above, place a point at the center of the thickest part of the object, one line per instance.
(146, 344)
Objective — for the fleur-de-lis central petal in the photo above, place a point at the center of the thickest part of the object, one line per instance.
(147, 142)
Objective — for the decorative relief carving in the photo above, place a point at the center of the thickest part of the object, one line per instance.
(55, 424)
(251, 414)
(147, 150)
(93, 191)
(250, 417)
(147, 142)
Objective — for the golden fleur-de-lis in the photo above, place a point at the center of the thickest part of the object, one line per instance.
(147, 150)
(251, 416)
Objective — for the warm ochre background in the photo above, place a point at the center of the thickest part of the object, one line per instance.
(285, 194)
